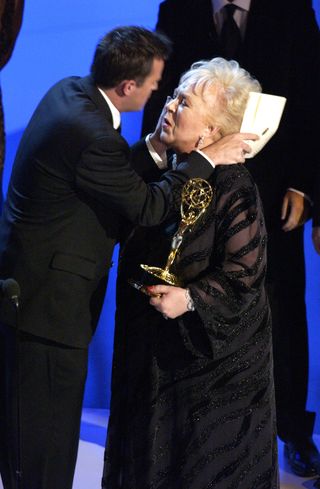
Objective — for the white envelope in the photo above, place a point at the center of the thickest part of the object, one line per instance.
(262, 116)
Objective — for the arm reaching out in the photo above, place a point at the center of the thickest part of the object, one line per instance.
(226, 151)
(230, 149)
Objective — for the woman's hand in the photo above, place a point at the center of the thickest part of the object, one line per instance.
(295, 210)
(170, 301)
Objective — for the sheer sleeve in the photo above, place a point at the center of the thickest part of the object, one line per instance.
(229, 293)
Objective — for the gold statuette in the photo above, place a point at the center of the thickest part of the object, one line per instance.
(195, 198)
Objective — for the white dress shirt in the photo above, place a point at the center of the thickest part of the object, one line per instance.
(116, 117)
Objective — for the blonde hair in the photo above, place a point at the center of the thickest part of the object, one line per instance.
(225, 87)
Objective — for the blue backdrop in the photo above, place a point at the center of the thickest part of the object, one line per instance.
(58, 39)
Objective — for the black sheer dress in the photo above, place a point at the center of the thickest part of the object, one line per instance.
(193, 398)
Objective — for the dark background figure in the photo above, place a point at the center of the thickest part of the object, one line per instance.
(279, 44)
(11, 12)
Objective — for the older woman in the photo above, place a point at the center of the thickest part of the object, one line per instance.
(192, 390)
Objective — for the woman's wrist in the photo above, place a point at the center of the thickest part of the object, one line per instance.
(190, 303)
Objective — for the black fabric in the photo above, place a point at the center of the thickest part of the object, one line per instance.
(192, 399)
(291, 364)
(230, 38)
(50, 386)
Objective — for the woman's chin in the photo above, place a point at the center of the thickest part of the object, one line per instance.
(166, 138)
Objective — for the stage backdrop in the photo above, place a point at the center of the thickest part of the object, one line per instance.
(57, 39)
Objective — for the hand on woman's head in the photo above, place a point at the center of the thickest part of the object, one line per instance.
(230, 149)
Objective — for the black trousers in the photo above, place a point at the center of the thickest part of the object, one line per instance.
(41, 394)
(286, 290)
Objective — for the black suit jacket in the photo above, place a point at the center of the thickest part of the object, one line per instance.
(281, 49)
(71, 184)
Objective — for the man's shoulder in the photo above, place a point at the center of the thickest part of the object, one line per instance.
(62, 89)
(65, 82)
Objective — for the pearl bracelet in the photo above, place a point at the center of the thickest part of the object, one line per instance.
(190, 303)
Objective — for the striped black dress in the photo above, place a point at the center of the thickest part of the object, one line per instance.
(193, 399)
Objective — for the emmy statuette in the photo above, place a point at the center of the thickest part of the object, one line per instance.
(195, 198)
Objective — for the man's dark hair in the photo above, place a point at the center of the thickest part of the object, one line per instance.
(127, 53)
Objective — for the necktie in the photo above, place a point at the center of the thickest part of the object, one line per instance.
(230, 37)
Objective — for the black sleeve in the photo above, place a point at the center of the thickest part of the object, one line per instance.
(229, 295)
(105, 174)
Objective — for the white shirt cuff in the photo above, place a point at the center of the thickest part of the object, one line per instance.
(160, 160)
(301, 193)
(206, 157)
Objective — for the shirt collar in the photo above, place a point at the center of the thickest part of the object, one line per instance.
(116, 117)
(219, 4)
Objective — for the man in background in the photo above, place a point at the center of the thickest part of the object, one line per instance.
(278, 42)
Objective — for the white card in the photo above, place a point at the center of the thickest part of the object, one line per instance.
(262, 116)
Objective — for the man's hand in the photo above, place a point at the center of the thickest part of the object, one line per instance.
(155, 140)
(295, 210)
(316, 240)
(230, 149)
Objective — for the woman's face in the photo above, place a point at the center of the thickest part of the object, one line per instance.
(184, 120)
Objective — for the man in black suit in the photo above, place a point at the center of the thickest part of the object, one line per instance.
(278, 42)
(71, 184)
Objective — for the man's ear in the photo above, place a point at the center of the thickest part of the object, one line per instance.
(126, 88)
